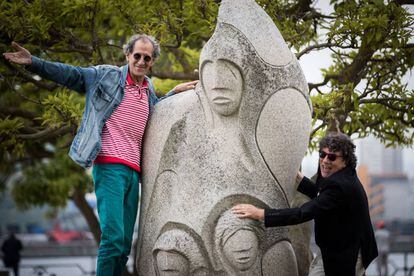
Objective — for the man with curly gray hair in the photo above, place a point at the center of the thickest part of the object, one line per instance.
(119, 101)
(339, 206)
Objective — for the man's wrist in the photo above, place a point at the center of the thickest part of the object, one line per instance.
(261, 214)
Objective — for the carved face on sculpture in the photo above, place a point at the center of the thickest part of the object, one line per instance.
(223, 85)
(241, 249)
(170, 263)
(176, 252)
(238, 243)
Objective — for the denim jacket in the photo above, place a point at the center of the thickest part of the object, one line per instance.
(104, 88)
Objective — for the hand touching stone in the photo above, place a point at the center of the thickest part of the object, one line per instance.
(20, 56)
(248, 211)
(299, 177)
(185, 86)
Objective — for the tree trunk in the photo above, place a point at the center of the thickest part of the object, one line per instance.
(88, 213)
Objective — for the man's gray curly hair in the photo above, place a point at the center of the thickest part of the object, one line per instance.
(129, 46)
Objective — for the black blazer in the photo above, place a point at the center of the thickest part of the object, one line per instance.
(343, 226)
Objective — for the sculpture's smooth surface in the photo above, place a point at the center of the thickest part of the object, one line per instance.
(239, 139)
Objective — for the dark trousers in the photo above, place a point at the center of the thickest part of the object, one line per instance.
(14, 266)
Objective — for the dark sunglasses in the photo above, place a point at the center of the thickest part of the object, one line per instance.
(331, 156)
(138, 56)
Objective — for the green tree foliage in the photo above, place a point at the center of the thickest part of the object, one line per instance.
(363, 91)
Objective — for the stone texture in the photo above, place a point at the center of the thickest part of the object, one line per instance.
(238, 138)
(300, 236)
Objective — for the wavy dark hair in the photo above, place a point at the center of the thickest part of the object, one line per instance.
(336, 141)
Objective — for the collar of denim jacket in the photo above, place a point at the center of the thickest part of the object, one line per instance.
(124, 73)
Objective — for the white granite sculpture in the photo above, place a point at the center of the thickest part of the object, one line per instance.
(239, 138)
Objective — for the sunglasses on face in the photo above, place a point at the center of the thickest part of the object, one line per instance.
(137, 57)
(331, 156)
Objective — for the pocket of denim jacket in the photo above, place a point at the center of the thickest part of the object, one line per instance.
(101, 98)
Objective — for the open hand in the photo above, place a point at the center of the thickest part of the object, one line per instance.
(185, 86)
(248, 211)
(20, 56)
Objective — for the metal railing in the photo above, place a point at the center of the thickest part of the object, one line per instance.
(394, 267)
(43, 269)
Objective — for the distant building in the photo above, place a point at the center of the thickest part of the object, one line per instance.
(391, 195)
(378, 158)
(375, 193)
(398, 196)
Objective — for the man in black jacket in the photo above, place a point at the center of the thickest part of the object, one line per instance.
(339, 206)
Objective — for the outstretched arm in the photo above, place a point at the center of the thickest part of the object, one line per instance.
(73, 77)
(20, 56)
(330, 199)
(250, 211)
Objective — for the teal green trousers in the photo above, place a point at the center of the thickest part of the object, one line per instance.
(116, 188)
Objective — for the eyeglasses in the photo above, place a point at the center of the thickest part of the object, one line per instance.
(138, 56)
(331, 156)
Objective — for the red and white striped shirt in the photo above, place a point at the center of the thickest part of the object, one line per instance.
(123, 132)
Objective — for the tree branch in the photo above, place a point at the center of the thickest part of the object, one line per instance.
(303, 10)
(176, 75)
(17, 112)
(49, 133)
(352, 74)
(95, 39)
(385, 102)
(325, 81)
(313, 47)
(71, 49)
(315, 130)
(180, 56)
(404, 2)
(22, 73)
